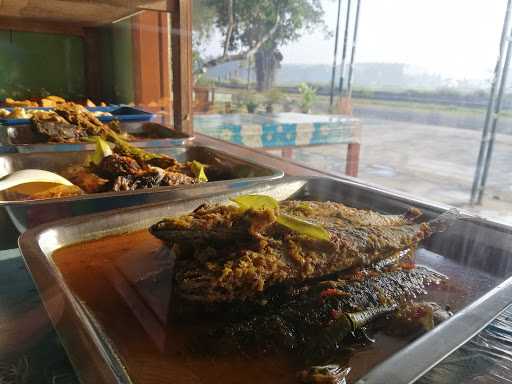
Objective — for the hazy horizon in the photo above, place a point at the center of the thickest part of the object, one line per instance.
(463, 44)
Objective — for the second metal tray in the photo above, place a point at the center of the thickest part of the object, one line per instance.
(226, 172)
(21, 138)
(473, 251)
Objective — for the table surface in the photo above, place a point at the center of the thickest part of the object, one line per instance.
(280, 129)
(30, 351)
(273, 118)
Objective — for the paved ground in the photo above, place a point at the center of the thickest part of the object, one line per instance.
(434, 162)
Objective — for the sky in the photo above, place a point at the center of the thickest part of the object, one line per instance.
(455, 38)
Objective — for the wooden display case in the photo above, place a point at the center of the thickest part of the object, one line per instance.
(152, 31)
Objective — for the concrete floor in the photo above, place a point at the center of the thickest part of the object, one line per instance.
(432, 162)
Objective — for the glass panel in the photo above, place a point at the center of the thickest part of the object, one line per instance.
(415, 101)
(395, 93)
(324, 279)
(119, 58)
(112, 57)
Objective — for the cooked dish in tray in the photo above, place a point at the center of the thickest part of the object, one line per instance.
(119, 167)
(312, 280)
(22, 113)
(127, 168)
(48, 101)
(70, 123)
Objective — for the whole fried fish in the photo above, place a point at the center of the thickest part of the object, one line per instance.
(226, 254)
(313, 320)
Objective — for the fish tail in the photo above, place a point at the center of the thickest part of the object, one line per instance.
(442, 222)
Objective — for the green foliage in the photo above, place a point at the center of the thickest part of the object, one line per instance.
(309, 96)
(250, 100)
(251, 106)
(366, 93)
(253, 20)
(236, 81)
(203, 81)
(261, 27)
(197, 62)
(203, 20)
(274, 96)
(288, 104)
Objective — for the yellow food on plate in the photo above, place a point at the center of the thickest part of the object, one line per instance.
(89, 103)
(43, 115)
(58, 191)
(18, 113)
(51, 192)
(20, 103)
(48, 103)
(57, 99)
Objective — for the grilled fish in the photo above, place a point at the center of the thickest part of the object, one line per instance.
(226, 254)
(314, 320)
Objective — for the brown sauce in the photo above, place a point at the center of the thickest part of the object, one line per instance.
(125, 280)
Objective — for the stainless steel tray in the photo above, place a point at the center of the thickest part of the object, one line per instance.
(21, 138)
(225, 169)
(470, 245)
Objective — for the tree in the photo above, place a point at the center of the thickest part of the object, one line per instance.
(259, 28)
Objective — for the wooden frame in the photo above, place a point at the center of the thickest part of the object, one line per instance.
(152, 81)
(37, 25)
(150, 42)
(181, 45)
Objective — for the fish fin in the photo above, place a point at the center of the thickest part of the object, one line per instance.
(412, 214)
(442, 222)
(435, 274)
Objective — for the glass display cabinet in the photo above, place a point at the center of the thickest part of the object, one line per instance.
(243, 191)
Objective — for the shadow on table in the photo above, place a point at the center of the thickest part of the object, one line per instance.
(9, 234)
(30, 351)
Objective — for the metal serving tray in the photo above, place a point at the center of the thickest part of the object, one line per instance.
(226, 172)
(471, 244)
(121, 113)
(21, 138)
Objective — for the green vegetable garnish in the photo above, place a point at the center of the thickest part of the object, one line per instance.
(127, 149)
(102, 150)
(198, 170)
(303, 227)
(256, 202)
(261, 202)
